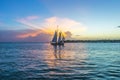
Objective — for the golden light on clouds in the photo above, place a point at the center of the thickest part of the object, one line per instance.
(49, 25)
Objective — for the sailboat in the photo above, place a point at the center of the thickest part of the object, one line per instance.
(58, 39)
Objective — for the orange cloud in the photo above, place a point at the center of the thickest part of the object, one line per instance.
(29, 34)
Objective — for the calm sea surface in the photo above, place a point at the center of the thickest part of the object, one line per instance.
(73, 61)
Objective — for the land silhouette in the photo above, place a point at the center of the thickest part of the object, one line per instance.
(92, 41)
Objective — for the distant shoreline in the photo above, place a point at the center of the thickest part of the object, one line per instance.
(74, 41)
(92, 41)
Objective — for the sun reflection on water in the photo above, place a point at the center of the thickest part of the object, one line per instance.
(61, 56)
(57, 60)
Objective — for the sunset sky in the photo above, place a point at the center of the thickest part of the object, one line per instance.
(36, 20)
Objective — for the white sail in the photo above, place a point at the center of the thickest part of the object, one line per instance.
(55, 37)
(59, 39)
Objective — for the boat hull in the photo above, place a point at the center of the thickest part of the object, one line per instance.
(54, 43)
(60, 44)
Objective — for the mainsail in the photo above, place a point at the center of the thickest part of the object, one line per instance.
(55, 37)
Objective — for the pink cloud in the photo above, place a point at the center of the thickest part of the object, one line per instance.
(29, 34)
(65, 24)
(23, 36)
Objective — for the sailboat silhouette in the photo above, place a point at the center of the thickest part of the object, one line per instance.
(58, 39)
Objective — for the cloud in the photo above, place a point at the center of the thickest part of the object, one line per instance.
(8, 35)
(31, 33)
(61, 21)
(65, 24)
(42, 37)
(68, 34)
(77, 35)
(27, 36)
(23, 36)
(49, 25)
(118, 26)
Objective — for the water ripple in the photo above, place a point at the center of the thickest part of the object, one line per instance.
(41, 61)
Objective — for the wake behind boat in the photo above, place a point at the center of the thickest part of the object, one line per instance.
(58, 39)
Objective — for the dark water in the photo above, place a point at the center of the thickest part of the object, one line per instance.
(74, 61)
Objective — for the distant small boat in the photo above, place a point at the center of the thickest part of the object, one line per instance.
(58, 39)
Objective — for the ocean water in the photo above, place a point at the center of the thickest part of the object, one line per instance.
(73, 61)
